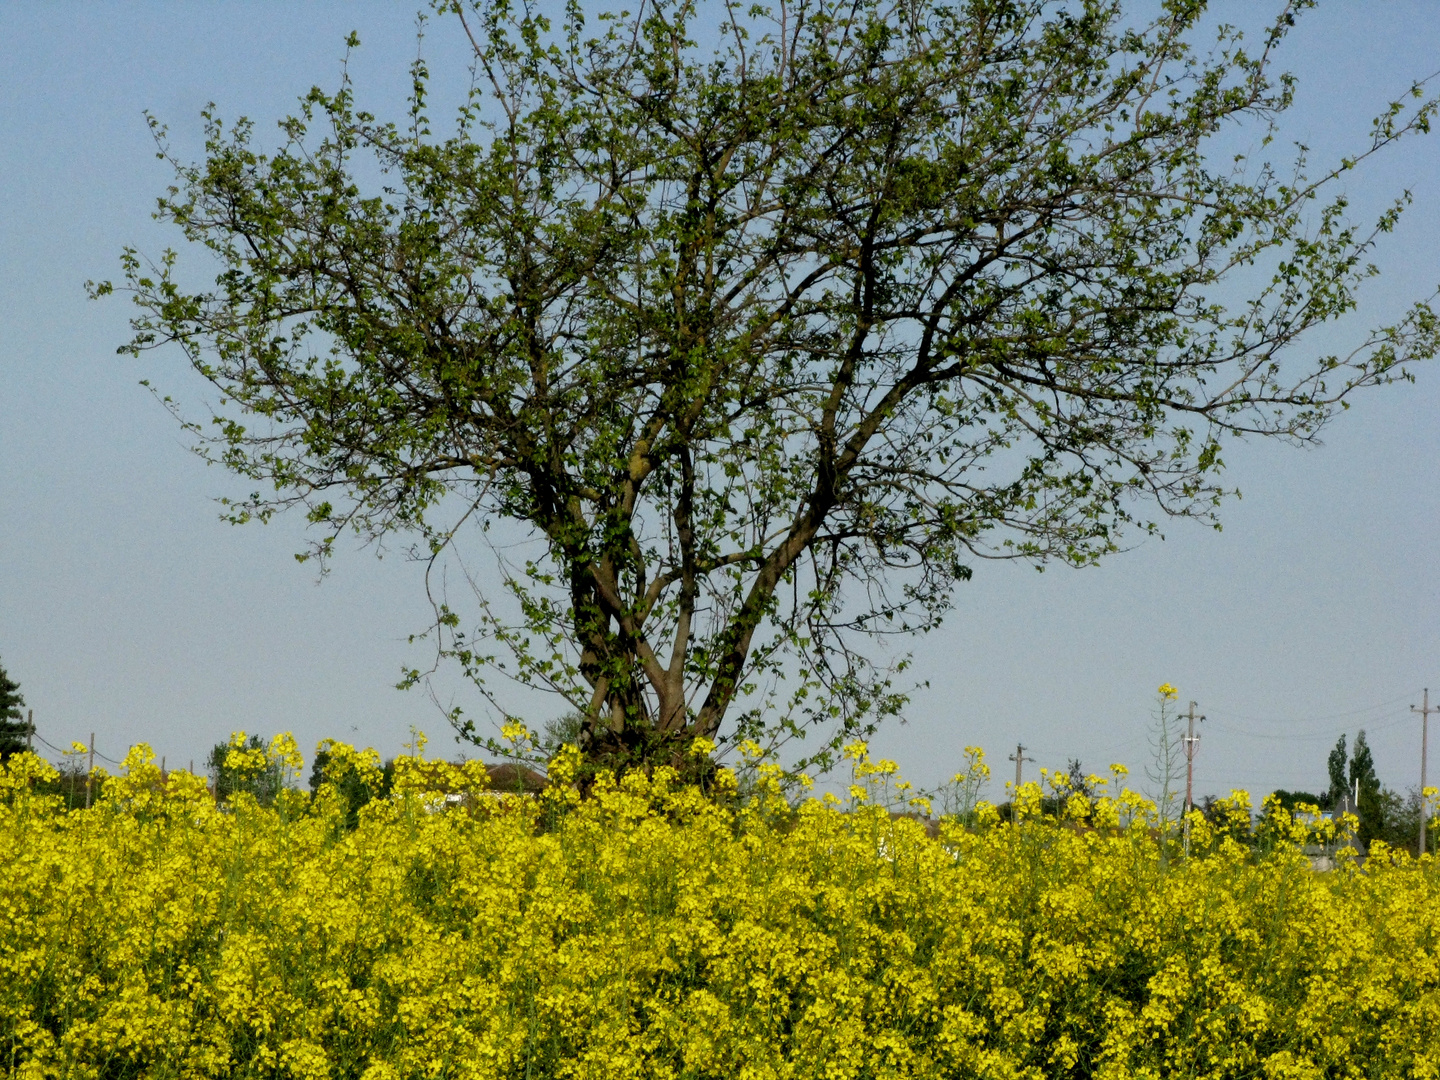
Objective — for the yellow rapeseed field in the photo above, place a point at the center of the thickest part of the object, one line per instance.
(651, 930)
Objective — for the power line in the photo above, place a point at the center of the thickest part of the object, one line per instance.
(58, 750)
(52, 746)
(1386, 722)
(1308, 720)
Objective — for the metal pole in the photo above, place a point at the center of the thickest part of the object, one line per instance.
(1424, 712)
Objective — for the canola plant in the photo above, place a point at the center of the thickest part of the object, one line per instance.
(654, 930)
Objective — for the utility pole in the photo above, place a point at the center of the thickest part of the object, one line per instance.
(1424, 712)
(90, 772)
(1019, 758)
(30, 731)
(1191, 740)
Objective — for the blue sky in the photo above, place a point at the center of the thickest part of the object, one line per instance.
(128, 609)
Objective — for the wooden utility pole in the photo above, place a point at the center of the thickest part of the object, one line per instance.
(1191, 739)
(30, 731)
(1424, 712)
(89, 773)
(1019, 758)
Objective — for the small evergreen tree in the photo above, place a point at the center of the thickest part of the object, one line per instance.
(1079, 779)
(14, 730)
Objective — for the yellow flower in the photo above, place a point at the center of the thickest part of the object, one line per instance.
(515, 733)
(750, 750)
(651, 929)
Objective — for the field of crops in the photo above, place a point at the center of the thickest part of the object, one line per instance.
(650, 930)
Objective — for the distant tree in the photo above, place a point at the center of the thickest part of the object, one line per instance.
(1077, 784)
(264, 783)
(14, 731)
(1079, 780)
(1371, 805)
(564, 730)
(1399, 819)
(350, 784)
(1336, 766)
(761, 337)
(1289, 800)
(1211, 808)
(69, 783)
(1225, 821)
(317, 770)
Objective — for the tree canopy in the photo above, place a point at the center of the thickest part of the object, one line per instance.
(1335, 766)
(1371, 803)
(260, 776)
(14, 727)
(762, 326)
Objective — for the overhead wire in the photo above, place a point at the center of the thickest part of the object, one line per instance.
(67, 753)
(1382, 723)
(1322, 717)
(51, 745)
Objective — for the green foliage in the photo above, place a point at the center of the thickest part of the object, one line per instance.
(1396, 819)
(1335, 765)
(1384, 814)
(1289, 801)
(68, 785)
(14, 728)
(762, 345)
(264, 782)
(566, 730)
(1362, 766)
(1371, 804)
(353, 786)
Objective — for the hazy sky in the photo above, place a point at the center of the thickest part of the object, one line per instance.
(128, 609)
